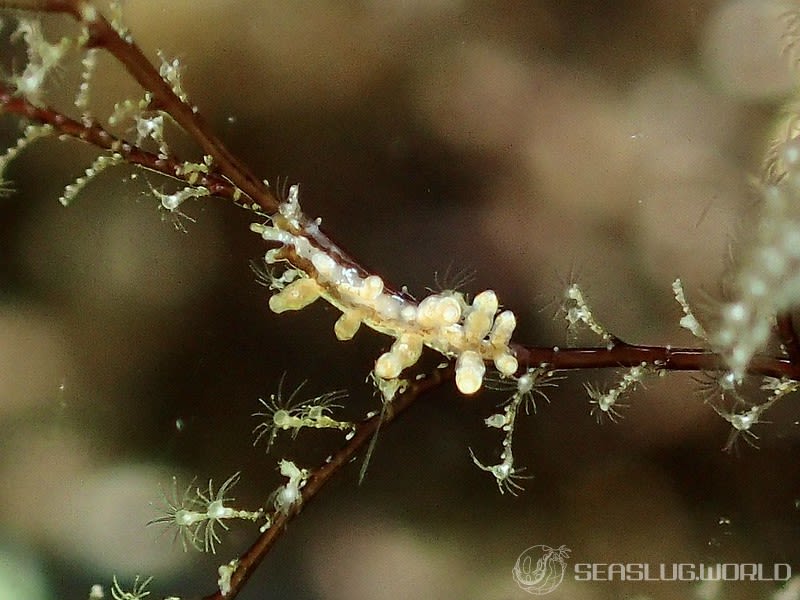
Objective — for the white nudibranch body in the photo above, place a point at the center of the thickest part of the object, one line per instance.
(471, 333)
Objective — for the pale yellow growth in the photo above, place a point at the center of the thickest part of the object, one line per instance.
(439, 309)
(506, 364)
(503, 329)
(478, 322)
(404, 353)
(372, 288)
(298, 294)
(347, 325)
(469, 372)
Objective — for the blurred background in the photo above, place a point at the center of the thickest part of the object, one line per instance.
(531, 144)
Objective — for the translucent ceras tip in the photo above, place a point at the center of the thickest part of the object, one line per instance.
(469, 372)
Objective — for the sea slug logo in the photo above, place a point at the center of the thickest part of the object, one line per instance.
(540, 569)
